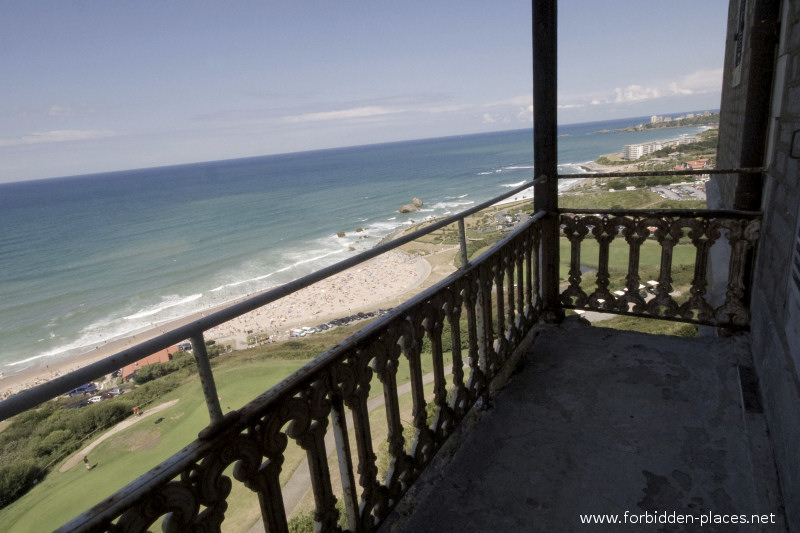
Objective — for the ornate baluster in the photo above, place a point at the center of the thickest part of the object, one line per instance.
(520, 323)
(604, 231)
(510, 264)
(452, 309)
(484, 311)
(535, 271)
(701, 239)
(635, 232)
(662, 304)
(343, 452)
(476, 383)
(742, 236)
(498, 276)
(176, 499)
(385, 366)
(309, 420)
(411, 342)
(355, 376)
(575, 230)
(531, 248)
(273, 444)
(434, 325)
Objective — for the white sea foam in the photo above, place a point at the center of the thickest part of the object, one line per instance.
(512, 185)
(173, 300)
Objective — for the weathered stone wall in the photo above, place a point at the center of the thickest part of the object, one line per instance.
(734, 93)
(775, 299)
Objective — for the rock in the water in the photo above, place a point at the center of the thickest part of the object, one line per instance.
(340, 234)
(415, 204)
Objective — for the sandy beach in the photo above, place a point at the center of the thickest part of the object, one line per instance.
(377, 283)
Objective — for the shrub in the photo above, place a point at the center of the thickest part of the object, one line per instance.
(16, 479)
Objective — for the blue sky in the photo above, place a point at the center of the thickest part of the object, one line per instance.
(102, 86)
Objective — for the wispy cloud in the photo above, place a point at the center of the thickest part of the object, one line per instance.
(635, 93)
(342, 114)
(57, 136)
(704, 81)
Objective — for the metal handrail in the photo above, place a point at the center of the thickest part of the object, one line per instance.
(32, 397)
(646, 173)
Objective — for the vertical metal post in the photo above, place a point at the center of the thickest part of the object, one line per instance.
(206, 378)
(462, 238)
(545, 157)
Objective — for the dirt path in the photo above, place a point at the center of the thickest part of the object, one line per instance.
(78, 457)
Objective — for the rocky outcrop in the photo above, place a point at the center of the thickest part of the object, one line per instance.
(415, 204)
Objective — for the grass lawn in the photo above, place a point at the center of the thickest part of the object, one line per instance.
(132, 452)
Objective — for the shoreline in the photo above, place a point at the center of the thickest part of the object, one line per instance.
(361, 288)
(384, 281)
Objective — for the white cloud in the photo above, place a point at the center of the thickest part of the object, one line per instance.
(635, 93)
(700, 82)
(57, 136)
(705, 81)
(344, 114)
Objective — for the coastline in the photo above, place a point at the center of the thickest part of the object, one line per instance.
(383, 281)
(365, 287)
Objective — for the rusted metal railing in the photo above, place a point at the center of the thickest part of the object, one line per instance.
(735, 233)
(472, 321)
(32, 397)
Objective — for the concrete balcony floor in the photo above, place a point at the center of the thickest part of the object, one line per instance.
(601, 422)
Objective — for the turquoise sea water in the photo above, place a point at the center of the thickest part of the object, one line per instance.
(88, 259)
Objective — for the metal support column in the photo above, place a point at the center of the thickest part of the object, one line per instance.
(545, 157)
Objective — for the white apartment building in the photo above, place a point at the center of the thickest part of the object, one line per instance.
(635, 151)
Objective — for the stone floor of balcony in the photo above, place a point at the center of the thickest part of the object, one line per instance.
(604, 422)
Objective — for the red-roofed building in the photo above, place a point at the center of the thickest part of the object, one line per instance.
(159, 357)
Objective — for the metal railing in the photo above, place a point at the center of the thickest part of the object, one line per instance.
(459, 334)
(30, 398)
(693, 234)
(622, 289)
(464, 328)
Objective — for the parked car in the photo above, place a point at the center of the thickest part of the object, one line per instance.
(95, 399)
(115, 391)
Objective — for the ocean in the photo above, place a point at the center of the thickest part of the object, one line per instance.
(85, 260)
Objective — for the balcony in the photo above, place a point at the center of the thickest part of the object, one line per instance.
(658, 433)
(598, 401)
